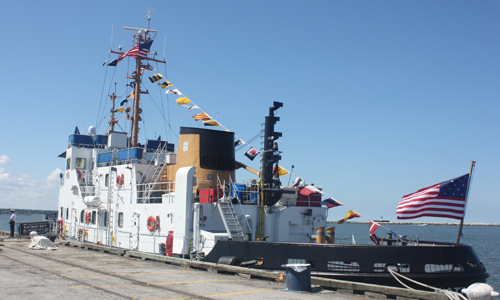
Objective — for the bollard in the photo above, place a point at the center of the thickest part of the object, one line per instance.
(298, 277)
(330, 235)
(320, 235)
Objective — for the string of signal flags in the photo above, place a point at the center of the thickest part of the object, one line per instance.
(142, 50)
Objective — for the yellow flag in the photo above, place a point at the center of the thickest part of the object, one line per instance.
(281, 172)
(211, 123)
(120, 109)
(165, 84)
(183, 100)
(350, 215)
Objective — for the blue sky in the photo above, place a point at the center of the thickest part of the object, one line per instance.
(381, 98)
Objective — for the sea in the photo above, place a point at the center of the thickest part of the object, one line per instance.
(484, 239)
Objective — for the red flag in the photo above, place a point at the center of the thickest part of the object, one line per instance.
(373, 237)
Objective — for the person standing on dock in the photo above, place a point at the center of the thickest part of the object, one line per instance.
(12, 222)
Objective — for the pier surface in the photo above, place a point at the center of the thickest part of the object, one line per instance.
(71, 272)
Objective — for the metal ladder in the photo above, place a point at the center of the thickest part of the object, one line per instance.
(158, 171)
(229, 218)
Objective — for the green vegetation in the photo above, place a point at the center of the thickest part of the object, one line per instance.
(6, 211)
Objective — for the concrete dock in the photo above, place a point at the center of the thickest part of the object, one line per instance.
(81, 271)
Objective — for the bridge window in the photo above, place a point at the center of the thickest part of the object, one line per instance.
(82, 216)
(80, 163)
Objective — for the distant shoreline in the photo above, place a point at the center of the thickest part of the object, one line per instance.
(27, 212)
(424, 223)
(42, 212)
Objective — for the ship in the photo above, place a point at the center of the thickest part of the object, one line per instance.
(147, 197)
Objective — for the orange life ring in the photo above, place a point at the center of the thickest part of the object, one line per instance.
(88, 217)
(151, 223)
(157, 223)
(81, 175)
(119, 180)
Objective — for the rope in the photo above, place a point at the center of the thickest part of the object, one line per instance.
(450, 294)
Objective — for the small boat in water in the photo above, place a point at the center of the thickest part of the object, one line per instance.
(186, 203)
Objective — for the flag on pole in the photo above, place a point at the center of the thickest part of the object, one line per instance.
(124, 101)
(251, 153)
(120, 109)
(173, 91)
(330, 202)
(183, 100)
(373, 237)
(350, 215)
(140, 51)
(443, 200)
(202, 116)
(155, 77)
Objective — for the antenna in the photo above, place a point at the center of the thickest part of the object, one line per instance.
(149, 17)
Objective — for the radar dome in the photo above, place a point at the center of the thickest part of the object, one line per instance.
(92, 130)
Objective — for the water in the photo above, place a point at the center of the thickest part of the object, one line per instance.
(4, 220)
(484, 239)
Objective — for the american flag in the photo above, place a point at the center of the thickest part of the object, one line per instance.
(140, 51)
(444, 200)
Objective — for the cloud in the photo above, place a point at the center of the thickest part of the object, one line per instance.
(23, 192)
(4, 160)
(54, 178)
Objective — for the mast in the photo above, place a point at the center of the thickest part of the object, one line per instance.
(112, 120)
(137, 92)
(141, 36)
(473, 163)
(270, 156)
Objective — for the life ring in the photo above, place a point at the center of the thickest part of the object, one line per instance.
(88, 217)
(81, 175)
(119, 180)
(151, 223)
(157, 223)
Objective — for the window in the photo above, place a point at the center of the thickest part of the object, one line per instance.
(80, 163)
(93, 217)
(435, 268)
(343, 266)
(120, 220)
(67, 213)
(106, 218)
(399, 267)
(107, 180)
(68, 163)
(61, 213)
(82, 216)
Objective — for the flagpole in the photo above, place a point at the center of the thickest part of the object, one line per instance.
(473, 163)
